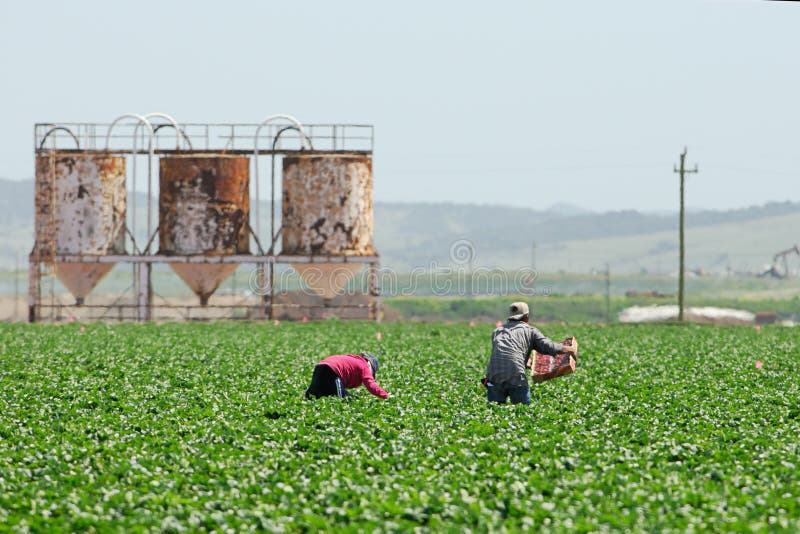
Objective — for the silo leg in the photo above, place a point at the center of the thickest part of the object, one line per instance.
(267, 297)
(271, 278)
(149, 291)
(34, 294)
(144, 291)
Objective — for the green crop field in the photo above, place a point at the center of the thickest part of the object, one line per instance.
(203, 427)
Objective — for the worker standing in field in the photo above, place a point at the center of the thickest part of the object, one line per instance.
(334, 375)
(512, 344)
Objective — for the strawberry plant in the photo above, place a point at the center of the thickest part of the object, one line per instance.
(204, 427)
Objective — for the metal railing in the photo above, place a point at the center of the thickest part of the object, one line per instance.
(233, 137)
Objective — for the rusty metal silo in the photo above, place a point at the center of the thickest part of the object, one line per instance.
(204, 206)
(327, 210)
(80, 210)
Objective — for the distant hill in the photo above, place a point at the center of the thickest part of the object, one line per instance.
(16, 202)
(566, 237)
(411, 235)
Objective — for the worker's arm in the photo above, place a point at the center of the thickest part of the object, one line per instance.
(545, 345)
(373, 387)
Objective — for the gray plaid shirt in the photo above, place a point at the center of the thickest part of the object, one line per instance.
(512, 343)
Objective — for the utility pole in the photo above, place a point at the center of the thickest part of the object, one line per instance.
(533, 256)
(682, 171)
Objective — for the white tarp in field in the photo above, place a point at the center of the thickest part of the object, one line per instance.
(644, 314)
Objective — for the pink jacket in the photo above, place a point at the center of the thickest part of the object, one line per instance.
(354, 371)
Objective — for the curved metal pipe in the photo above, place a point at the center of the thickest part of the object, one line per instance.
(178, 132)
(62, 128)
(280, 132)
(151, 151)
(174, 125)
(305, 141)
(139, 118)
(273, 235)
(182, 133)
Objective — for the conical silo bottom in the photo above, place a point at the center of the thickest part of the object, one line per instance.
(81, 277)
(327, 280)
(203, 278)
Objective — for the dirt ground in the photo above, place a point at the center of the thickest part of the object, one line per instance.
(13, 310)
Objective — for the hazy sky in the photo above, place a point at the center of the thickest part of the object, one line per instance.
(527, 103)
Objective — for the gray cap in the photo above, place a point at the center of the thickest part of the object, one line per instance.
(518, 310)
(373, 362)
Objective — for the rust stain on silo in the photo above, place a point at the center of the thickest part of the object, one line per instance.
(80, 204)
(327, 205)
(80, 210)
(204, 205)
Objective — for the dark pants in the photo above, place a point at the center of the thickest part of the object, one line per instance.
(326, 383)
(499, 393)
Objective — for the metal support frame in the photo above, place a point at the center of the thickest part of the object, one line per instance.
(268, 288)
(142, 278)
(230, 258)
(124, 136)
(144, 294)
(34, 288)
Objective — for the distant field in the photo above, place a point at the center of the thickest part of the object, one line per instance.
(571, 309)
(203, 427)
(556, 296)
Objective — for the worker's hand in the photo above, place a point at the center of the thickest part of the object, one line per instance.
(572, 348)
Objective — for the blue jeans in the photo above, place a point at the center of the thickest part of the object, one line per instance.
(499, 393)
